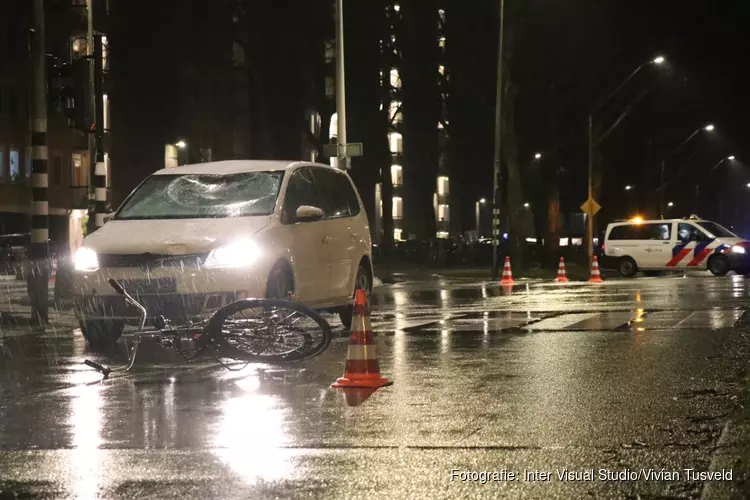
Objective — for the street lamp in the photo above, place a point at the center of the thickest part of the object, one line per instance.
(628, 187)
(709, 128)
(525, 205)
(181, 144)
(477, 207)
(670, 204)
(659, 60)
(538, 156)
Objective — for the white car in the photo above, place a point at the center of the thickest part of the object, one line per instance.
(668, 245)
(193, 238)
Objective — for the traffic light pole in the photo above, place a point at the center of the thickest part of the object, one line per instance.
(37, 266)
(590, 215)
(100, 168)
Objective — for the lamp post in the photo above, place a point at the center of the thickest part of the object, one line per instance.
(478, 214)
(706, 128)
(497, 181)
(590, 218)
(343, 159)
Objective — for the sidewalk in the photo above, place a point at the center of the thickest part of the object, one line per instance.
(390, 274)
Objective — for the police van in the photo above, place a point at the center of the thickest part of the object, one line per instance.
(677, 244)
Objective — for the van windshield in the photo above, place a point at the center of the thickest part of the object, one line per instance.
(201, 196)
(717, 230)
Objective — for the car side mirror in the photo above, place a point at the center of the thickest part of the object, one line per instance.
(108, 217)
(307, 213)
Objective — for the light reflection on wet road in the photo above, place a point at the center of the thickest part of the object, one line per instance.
(627, 374)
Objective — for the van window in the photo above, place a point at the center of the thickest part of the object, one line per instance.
(688, 232)
(649, 231)
(339, 197)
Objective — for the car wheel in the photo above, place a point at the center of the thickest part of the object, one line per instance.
(718, 265)
(627, 267)
(361, 282)
(102, 335)
(280, 283)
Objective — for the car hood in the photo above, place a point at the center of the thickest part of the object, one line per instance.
(171, 236)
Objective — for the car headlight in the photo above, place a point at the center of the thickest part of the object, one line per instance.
(86, 260)
(240, 253)
(738, 249)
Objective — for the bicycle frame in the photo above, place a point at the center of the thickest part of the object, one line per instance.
(162, 333)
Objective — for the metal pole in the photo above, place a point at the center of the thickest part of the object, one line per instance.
(497, 177)
(476, 206)
(590, 217)
(37, 266)
(661, 192)
(343, 160)
(100, 170)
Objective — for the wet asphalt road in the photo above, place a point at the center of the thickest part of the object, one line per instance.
(621, 376)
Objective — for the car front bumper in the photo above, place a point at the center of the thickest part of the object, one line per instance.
(181, 294)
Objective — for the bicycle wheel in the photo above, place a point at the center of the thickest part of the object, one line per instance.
(268, 330)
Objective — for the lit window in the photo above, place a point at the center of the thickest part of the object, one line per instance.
(395, 114)
(393, 39)
(333, 129)
(330, 87)
(397, 234)
(398, 208)
(441, 13)
(443, 212)
(395, 79)
(443, 184)
(15, 165)
(105, 111)
(441, 126)
(397, 7)
(105, 54)
(442, 234)
(2, 167)
(441, 69)
(396, 141)
(441, 42)
(106, 170)
(397, 175)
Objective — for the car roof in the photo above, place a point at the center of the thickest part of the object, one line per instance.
(654, 221)
(236, 167)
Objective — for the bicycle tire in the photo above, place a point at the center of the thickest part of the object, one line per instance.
(216, 326)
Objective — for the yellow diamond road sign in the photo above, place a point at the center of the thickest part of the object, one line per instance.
(590, 207)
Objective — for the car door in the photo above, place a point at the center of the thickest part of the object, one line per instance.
(342, 207)
(655, 247)
(692, 247)
(306, 240)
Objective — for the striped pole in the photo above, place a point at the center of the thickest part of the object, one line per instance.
(37, 266)
(100, 170)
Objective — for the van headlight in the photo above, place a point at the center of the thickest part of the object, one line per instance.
(240, 253)
(86, 260)
(738, 249)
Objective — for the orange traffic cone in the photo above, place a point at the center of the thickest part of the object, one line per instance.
(362, 366)
(562, 277)
(596, 276)
(507, 274)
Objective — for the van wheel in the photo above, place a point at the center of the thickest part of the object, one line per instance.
(361, 282)
(627, 267)
(102, 334)
(280, 283)
(718, 265)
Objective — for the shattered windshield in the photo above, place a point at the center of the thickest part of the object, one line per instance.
(198, 196)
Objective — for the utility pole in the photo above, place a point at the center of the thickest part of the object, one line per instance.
(37, 266)
(100, 169)
(661, 191)
(498, 181)
(590, 216)
(343, 159)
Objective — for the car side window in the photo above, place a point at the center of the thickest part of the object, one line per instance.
(302, 189)
(340, 199)
(689, 232)
(660, 231)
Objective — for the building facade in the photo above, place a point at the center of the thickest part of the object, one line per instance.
(71, 27)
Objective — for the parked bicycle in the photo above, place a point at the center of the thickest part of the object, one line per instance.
(249, 330)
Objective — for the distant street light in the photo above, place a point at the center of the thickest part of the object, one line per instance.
(731, 158)
(537, 156)
(709, 128)
(483, 201)
(181, 144)
(659, 60)
(670, 204)
(526, 205)
(628, 187)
